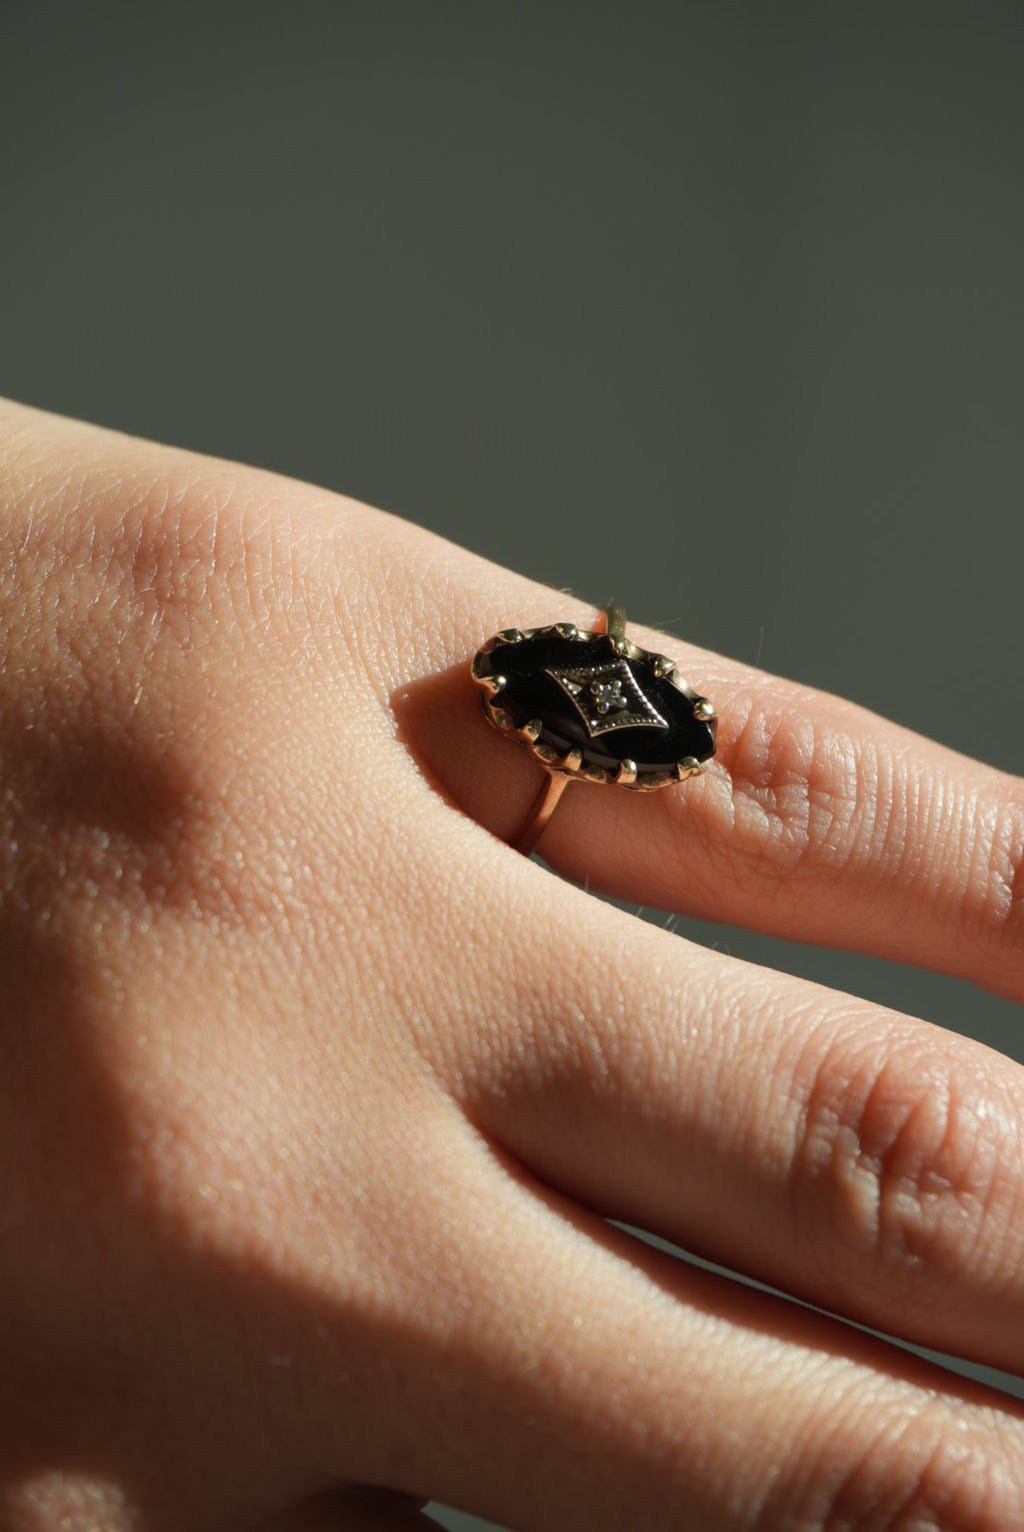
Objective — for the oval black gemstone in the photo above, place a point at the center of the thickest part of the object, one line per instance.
(597, 696)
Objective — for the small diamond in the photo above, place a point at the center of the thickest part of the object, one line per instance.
(607, 696)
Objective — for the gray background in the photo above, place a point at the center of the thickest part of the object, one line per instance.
(715, 308)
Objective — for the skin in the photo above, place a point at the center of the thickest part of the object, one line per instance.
(316, 1098)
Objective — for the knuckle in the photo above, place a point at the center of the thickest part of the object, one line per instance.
(995, 866)
(178, 555)
(929, 1469)
(903, 1150)
(799, 787)
(809, 789)
(120, 796)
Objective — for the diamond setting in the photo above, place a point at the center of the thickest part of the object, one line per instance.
(595, 706)
(607, 697)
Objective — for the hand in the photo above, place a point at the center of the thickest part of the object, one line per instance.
(315, 1097)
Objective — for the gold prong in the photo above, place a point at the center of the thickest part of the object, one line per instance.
(572, 762)
(689, 766)
(705, 710)
(615, 619)
(532, 730)
(492, 685)
(508, 636)
(566, 630)
(502, 719)
(662, 665)
(626, 774)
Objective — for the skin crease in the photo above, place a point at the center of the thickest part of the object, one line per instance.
(315, 1097)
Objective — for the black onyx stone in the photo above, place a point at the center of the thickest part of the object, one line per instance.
(588, 696)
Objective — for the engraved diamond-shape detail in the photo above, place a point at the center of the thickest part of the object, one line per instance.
(607, 697)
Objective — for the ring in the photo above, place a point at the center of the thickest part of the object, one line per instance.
(592, 706)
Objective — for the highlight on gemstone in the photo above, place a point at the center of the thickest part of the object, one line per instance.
(595, 705)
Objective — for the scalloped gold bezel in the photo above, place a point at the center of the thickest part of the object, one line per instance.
(528, 735)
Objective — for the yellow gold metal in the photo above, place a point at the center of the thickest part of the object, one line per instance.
(560, 769)
(492, 685)
(541, 810)
(615, 618)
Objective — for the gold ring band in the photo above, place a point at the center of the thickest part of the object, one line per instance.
(592, 706)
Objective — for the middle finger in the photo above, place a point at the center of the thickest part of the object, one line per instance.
(864, 1160)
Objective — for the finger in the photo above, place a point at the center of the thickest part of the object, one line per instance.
(863, 1160)
(595, 1384)
(820, 821)
(817, 820)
